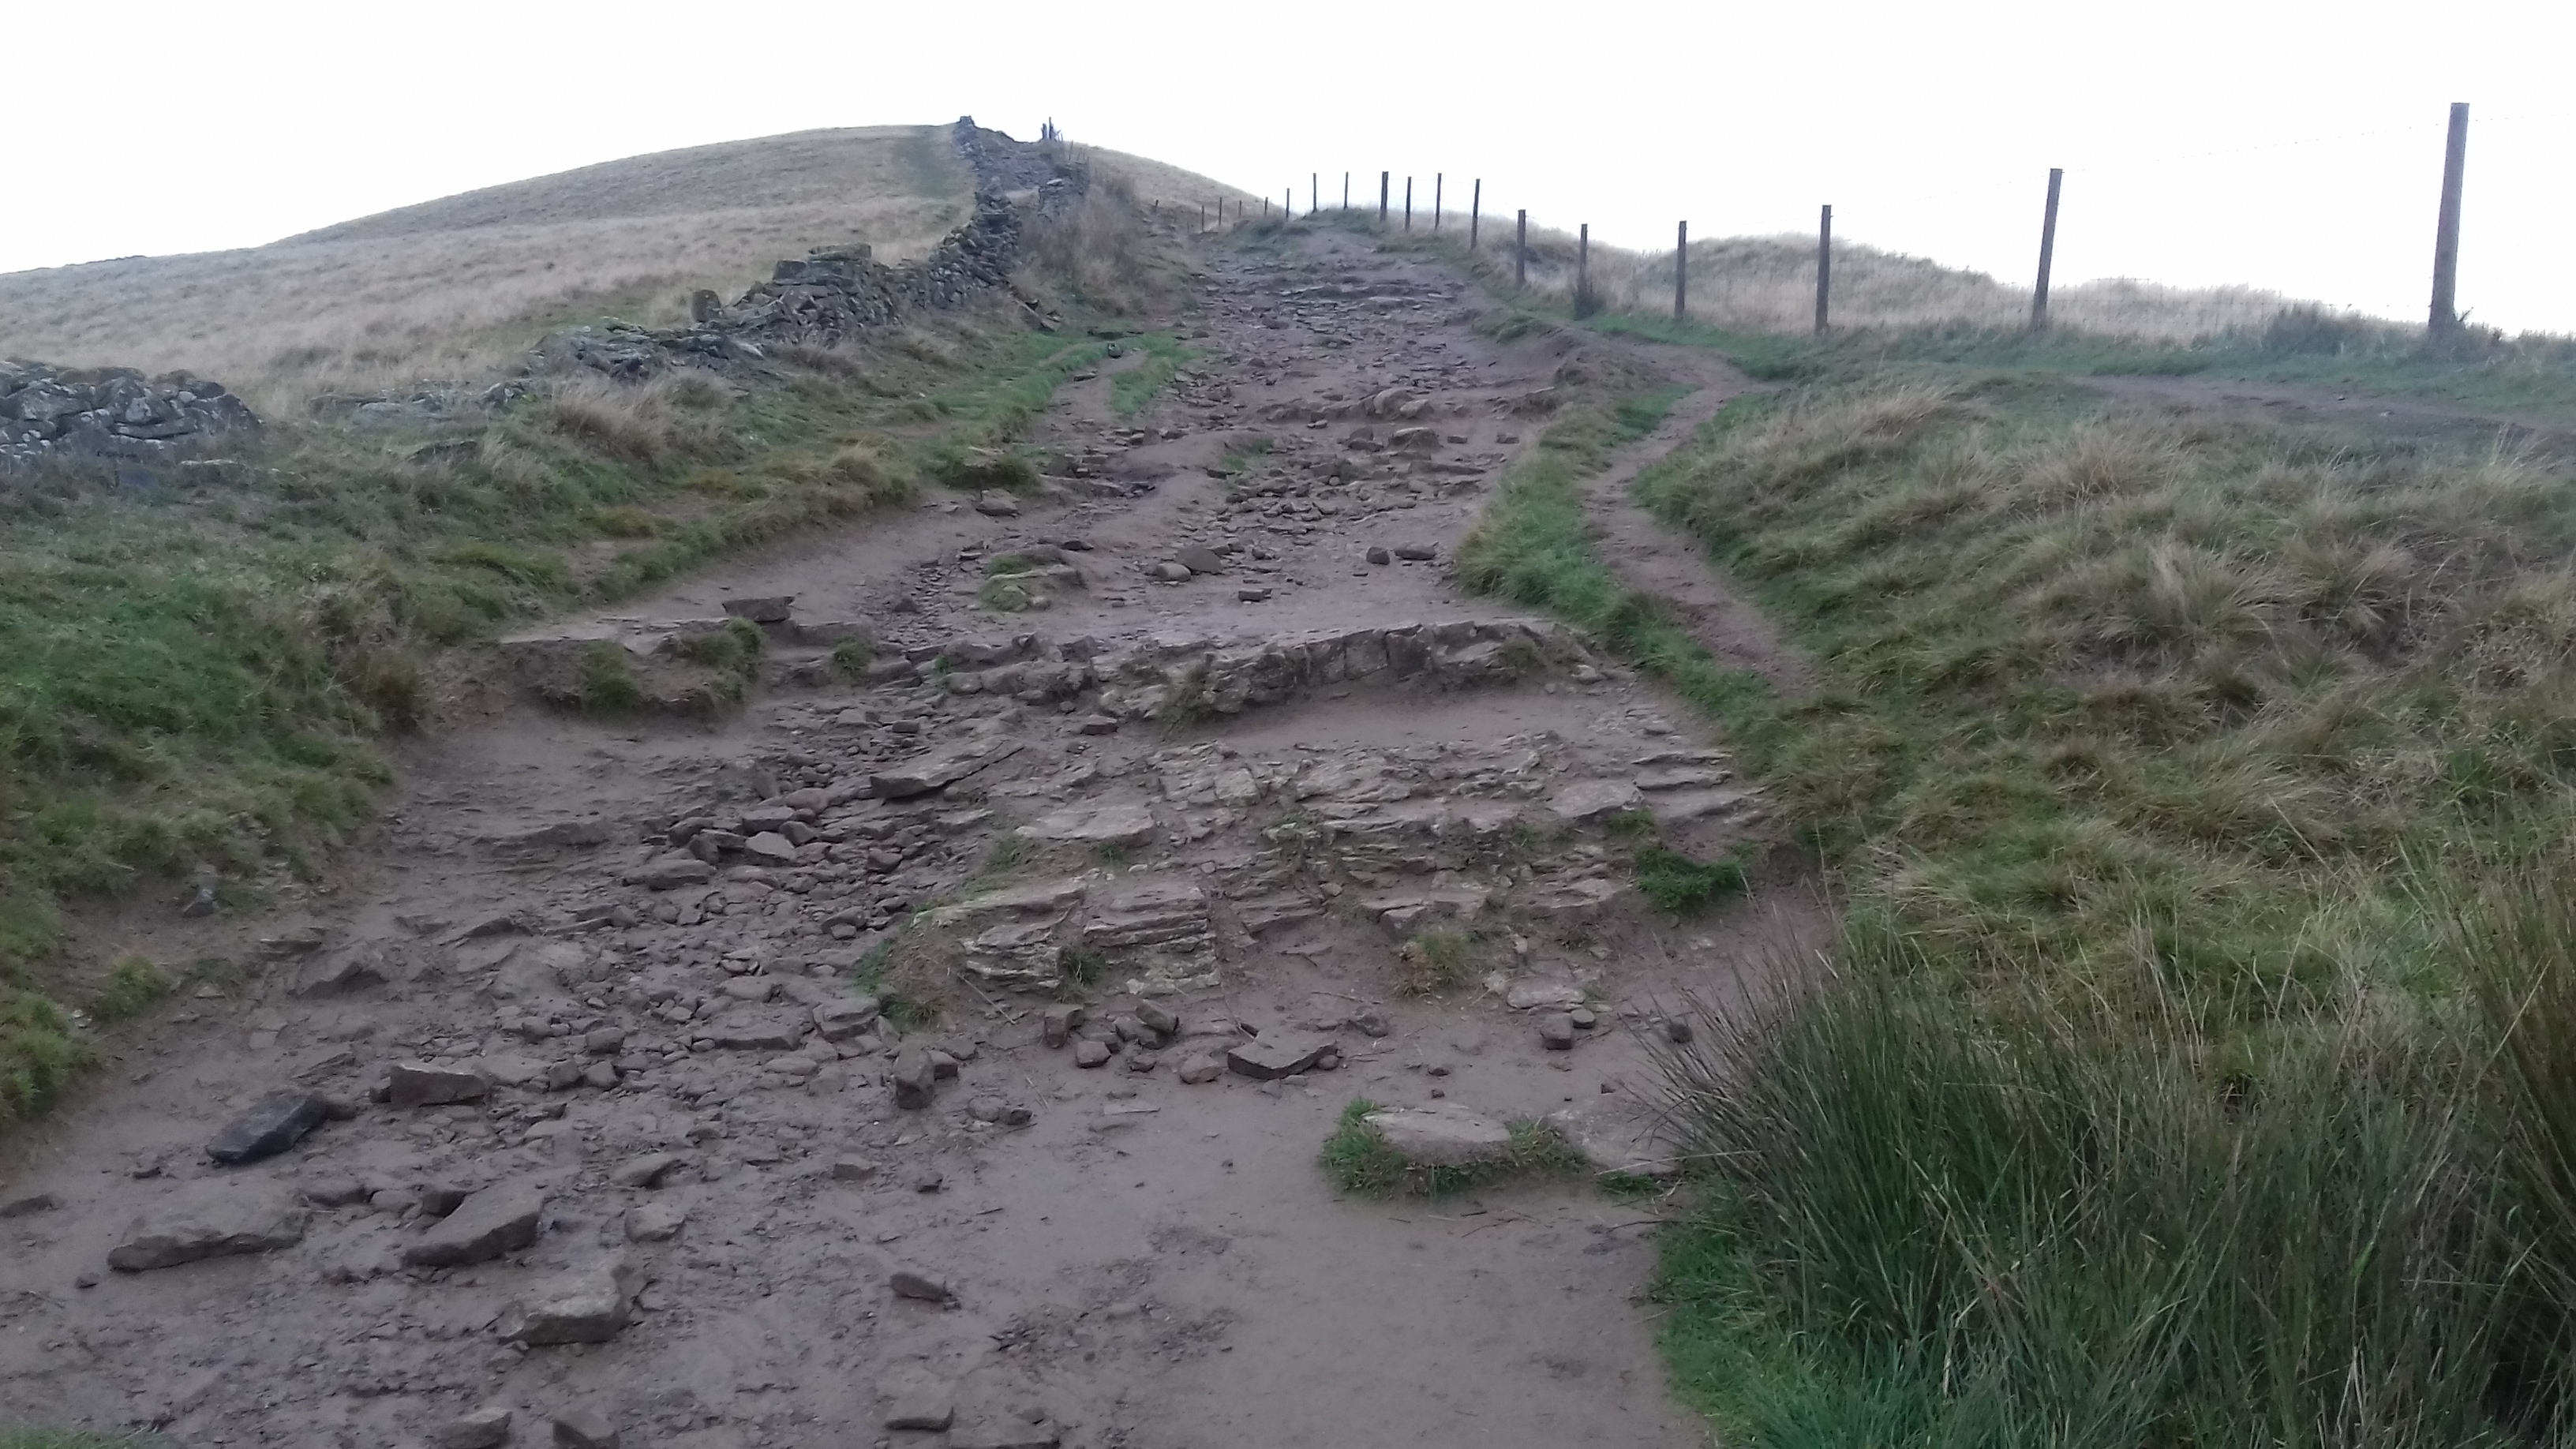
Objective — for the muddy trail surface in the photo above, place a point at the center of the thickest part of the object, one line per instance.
(563, 1113)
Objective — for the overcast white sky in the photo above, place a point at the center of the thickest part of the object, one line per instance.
(2288, 145)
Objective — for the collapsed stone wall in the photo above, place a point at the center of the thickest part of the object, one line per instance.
(833, 295)
(109, 412)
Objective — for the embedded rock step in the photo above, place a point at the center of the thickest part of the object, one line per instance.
(211, 1218)
(1442, 1134)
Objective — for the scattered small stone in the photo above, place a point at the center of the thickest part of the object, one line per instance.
(912, 1283)
(924, 1409)
(485, 1428)
(912, 1077)
(1677, 1031)
(985, 1109)
(1370, 1023)
(1583, 1018)
(1142, 1061)
(1056, 1024)
(1380, 556)
(678, 870)
(1157, 1018)
(654, 1222)
(438, 1199)
(1198, 559)
(1201, 1069)
(1252, 593)
(929, 1179)
(583, 1429)
(996, 503)
(267, 1127)
(426, 1084)
(1171, 573)
(840, 1020)
(1416, 552)
(1098, 724)
(1556, 1031)
(1283, 1054)
(1090, 1053)
(499, 1219)
(645, 1171)
(601, 1075)
(851, 1169)
(30, 1205)
(1329, 1062)
(587, 1305)
(774, 609)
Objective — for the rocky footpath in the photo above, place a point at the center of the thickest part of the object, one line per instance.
(929, 1042)
(111, 412)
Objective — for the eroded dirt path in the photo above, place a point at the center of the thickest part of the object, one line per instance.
(1225, 774)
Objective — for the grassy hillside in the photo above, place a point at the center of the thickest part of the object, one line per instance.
(2193, 1068)
(458, 288)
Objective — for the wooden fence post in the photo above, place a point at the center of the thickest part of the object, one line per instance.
(2047, 253)
(1681, 271)
(1314, 192)
(2446, 238)
(1475, 213)
(1436, 178)
(1520, 252)
(1824, 267)
(1408, 203)
(1583, 270)
(1346, 191)
(1381, 198)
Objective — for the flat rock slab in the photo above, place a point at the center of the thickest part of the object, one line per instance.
(500, 1219)
(1093, 825)
(1531, 995)
(1615, 1135)
(1268, 1058)
(268, 1127)
(1442, 1135)
(1591, 799)
(668, 874)
(587, 1305)
(426, 1084)
(939, 769)
(755, 1031)
(214, 1218)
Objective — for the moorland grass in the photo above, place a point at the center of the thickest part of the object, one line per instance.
(2192, 1071)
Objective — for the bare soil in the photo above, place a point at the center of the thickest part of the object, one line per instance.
(1130, 1260)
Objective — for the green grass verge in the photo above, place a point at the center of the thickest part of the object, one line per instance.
(2201, 791)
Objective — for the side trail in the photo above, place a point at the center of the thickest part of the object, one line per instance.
(559, 1118)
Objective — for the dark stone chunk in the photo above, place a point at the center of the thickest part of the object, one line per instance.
(272, 1124)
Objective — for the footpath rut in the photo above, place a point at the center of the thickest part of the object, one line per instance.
(610, 1142)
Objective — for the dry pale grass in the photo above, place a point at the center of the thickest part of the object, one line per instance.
(456, 289)
(1155, 185)
(1768, 284)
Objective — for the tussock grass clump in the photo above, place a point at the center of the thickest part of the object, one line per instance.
(133, 985)
(1433, 962)
(1679, 884)
(1936, 1222)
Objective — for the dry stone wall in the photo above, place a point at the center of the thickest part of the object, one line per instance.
(109, 412)
(835, 294)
